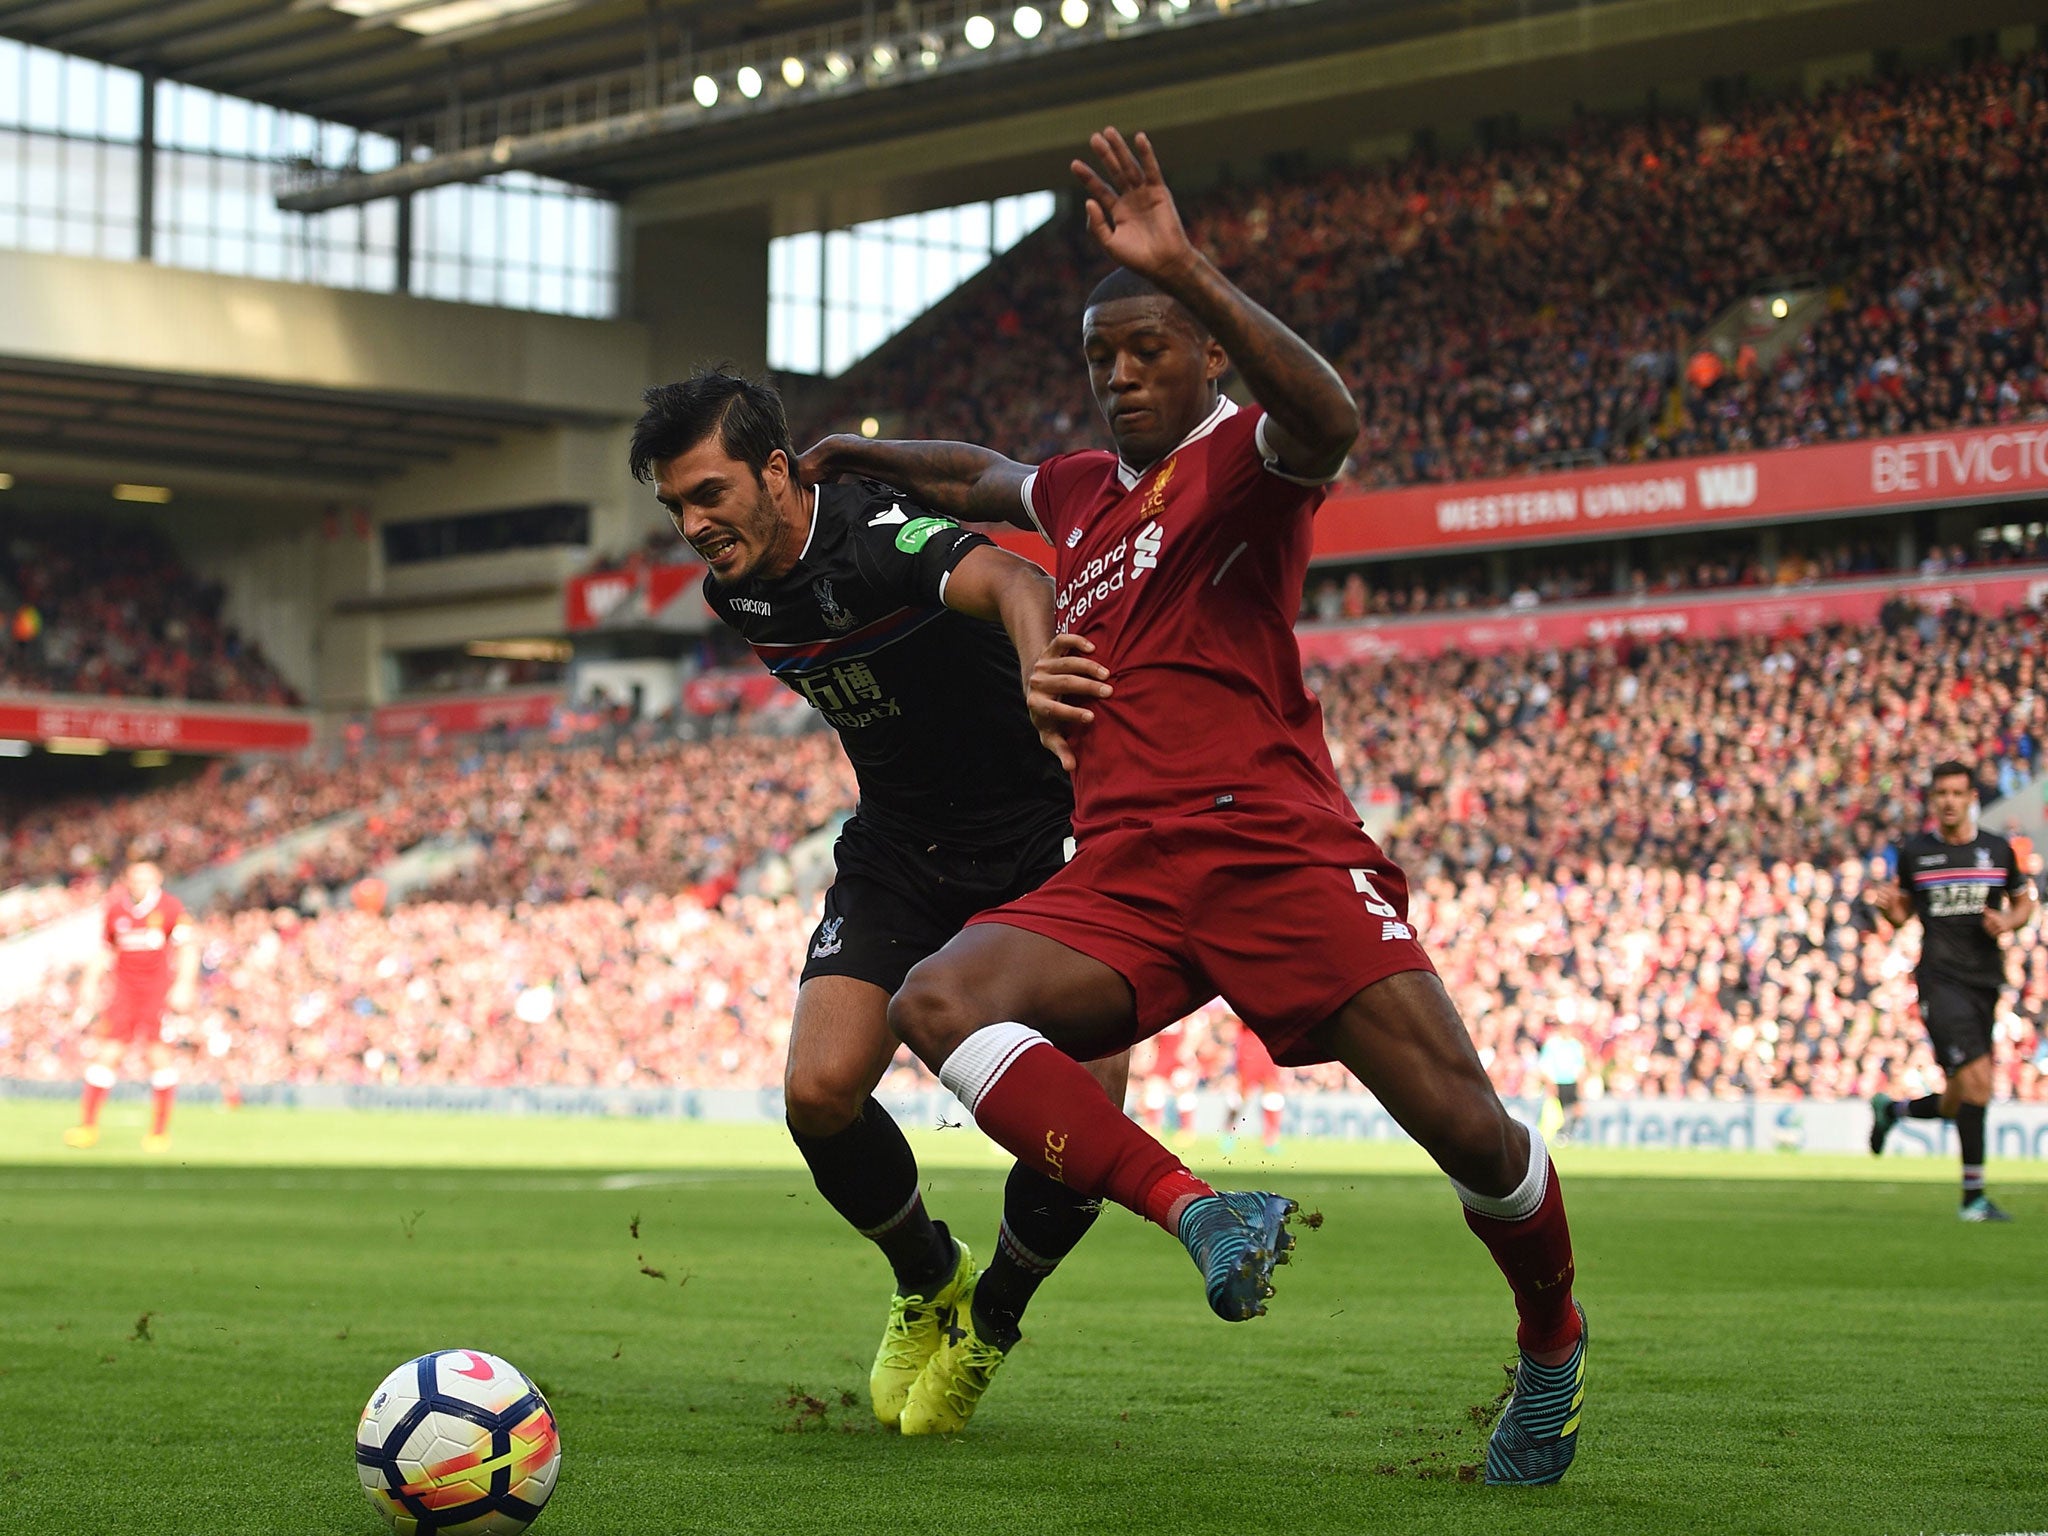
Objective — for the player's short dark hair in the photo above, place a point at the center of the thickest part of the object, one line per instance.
(1951, 768)
(746, 415)
(1123, 283)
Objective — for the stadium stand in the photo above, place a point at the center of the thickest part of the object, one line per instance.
(1521, 306)
(106, 608)
(1658, 847)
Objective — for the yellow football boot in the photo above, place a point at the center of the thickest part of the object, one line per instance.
(153, 1142)
(82, 1136)
(912, 1338)
(950, 1387)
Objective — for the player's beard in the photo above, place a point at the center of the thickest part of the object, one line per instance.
(758, 532)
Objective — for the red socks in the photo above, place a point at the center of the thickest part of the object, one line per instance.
(1529, 1238)
(163, 1087)
(1043, 1106)
(98, 1080)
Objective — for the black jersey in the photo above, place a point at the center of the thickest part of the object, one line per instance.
(1951, 886)
(928, 703)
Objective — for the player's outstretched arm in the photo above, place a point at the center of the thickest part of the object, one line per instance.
(971, 484)
(1312, 419)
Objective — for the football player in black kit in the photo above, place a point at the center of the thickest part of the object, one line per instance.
(1969, 892)
(905, 631)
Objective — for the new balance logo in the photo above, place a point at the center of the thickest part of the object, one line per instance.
(1391, 931)
(1074, 537)
(1145, 547)
(1726, 485)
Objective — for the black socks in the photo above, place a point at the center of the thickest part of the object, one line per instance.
(1042, 1221)
(868, 1174)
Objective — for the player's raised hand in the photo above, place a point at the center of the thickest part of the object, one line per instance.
(1062, 673)
(1130, 211)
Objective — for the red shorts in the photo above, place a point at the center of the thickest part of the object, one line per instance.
(133, 1019)
(1285, 910)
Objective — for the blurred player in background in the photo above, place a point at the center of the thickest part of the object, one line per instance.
(152, 952)
(905, 631)
(1562, 1060)
(1968, 890)
(1218, 854)
(1253, 1076)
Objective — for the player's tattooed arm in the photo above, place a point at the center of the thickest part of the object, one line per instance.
(1312, 421)
(960, 480)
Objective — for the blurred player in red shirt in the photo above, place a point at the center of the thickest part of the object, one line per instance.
(153, 953)
(1254, 1077)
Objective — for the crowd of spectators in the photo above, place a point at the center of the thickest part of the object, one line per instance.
(1658, 847)
(1536, 303)
(1681, 753)
(623, 813)
(1395, 589)
(1769, 979)
(94, 607)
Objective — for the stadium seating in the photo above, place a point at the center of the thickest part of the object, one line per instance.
(1657, 847)
(104, 608)
(1509, 308)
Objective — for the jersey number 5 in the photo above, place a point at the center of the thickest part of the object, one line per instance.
(1375, 903)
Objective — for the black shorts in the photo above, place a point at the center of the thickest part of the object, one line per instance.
(894, 902)
(1568, 1095)
(1959, 1019)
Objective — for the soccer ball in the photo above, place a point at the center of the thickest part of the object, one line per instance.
(457, 1441)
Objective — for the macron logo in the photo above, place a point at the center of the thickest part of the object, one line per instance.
(889, 518)
(1726, 485)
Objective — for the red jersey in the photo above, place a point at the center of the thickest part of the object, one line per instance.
(142, 935)
(1187, 577)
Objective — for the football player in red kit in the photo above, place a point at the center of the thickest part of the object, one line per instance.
(153, 954)
(1254, 1076)
(1217, 852)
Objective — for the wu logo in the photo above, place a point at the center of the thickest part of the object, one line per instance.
(1145, 547)
(834, 615)
(828, 938)
(1726, 485)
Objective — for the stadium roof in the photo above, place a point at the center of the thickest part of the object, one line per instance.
(629, 95)
(607, 92)
(323, 434)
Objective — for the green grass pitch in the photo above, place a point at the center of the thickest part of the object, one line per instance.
(1780, 1344)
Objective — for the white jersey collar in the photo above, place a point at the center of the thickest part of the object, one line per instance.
(1225, 409)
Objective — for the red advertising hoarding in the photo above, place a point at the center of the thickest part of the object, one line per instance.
(1840, 479)
(129, 724)
(638, 597)
(1938, 468)
(525, 710)
(1693, 616)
